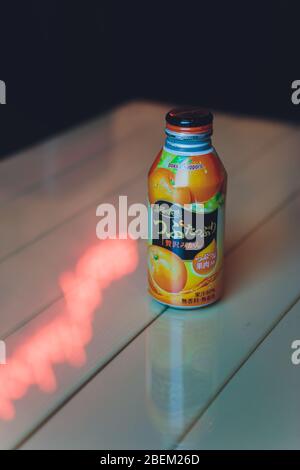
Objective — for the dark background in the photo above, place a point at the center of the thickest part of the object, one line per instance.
(66, 61)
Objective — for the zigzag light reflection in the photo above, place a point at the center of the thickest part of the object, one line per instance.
(65, 337)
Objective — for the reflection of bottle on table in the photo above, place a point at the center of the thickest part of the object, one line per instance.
(181, 364)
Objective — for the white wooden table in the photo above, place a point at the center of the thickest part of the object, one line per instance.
(141, 375)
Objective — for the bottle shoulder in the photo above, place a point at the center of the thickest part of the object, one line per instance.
(180, 160)
(186, 178)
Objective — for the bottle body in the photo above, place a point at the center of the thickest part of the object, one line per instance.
(186, 196)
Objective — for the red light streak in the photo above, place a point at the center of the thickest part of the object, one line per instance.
(65, 337)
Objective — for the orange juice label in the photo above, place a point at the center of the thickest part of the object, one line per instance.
(186, 221)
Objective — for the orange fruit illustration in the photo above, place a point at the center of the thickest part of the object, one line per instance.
(162, 186)
(166, 269)
(204, 182)
(206, 259)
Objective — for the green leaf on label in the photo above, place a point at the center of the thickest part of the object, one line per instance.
(177, 160)
(214, 202)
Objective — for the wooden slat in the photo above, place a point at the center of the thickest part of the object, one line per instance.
(34, 289)
(246, 138)
(31, 216)
(262, 187)
(111, 160)
(127, 405)
(259, 408)
(124, 308)
(32, 293)
(34, 166)
(30, 280)
(37, 166)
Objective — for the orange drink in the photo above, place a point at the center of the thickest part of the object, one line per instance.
(186, 196)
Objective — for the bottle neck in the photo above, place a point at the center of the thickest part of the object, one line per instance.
(188, 144)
